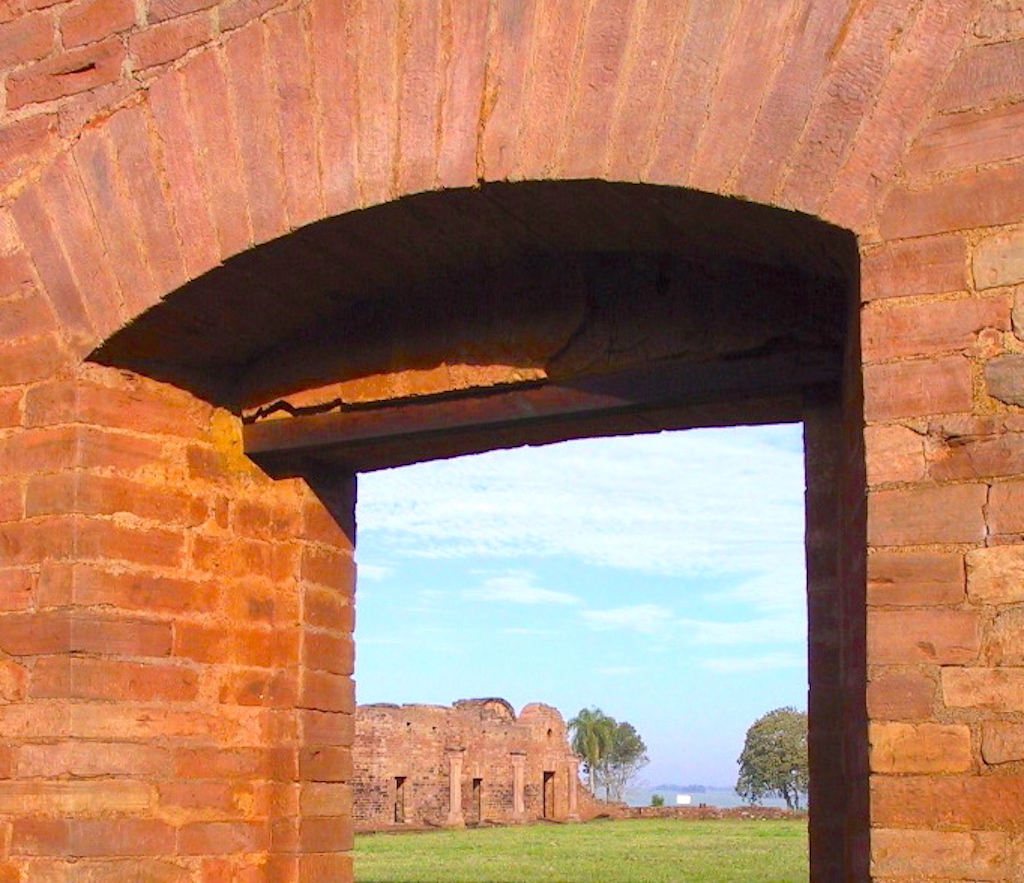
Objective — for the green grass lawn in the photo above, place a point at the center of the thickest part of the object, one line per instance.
(641, 851)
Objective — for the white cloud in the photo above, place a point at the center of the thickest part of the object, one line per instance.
(765, 630)
(374, 572)
(768, 661)
(518, 588)
(647, 619)
(672, 503)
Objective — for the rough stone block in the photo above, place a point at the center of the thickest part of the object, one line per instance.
(995, 689)
(1006, 508)
(1002, 742)
(1004, 638)
(940, 854)
(999, 260)
(995, 575)
(895, 453)
(1004, 376)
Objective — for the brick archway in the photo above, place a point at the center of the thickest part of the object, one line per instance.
(150, 574)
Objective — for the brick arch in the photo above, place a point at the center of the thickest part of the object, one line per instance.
(147, 566)
(309, 112)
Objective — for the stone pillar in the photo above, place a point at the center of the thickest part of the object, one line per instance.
(518, 787)
(455, 817)
(573, 771)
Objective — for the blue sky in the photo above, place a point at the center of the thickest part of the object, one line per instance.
(658, 577)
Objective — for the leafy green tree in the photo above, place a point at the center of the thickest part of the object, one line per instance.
(626, 755)
(774, 758)
(591, 731)
(612, 752)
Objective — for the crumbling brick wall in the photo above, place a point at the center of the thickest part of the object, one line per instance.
(415, 744)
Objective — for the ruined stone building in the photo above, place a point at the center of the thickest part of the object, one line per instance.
(250, 249)
(471, 763)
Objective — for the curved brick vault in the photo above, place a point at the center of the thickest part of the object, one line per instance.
(175, 626)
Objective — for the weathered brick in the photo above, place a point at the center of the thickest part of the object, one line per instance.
(182, 166)
(928, 329)
(919, 748)
(159, 10)
(169, 41)
(986, 454)
(222, 838)
(917, 388)
(89, 20)
(290, 56)
(216, 644)
(86, 678)
(91, 759)
(927, 515)
(971, 199)
(110, 541)
(212, 123)
(1000, 20)
(914, 266)
(121, 837)
(945, 854)
(28, 38)
(1004, 638)
(940, 636)
(1006, 507)
(973, 803)
(70, 797)
(327, 692)
(325, 763)
(995, 689)
(915, 579)
(132, 590)
(69, 73)
(259, 137)
(16, 588)
(29, 360)
(324, 651)
(985, 74)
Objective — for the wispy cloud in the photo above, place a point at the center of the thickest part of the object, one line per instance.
(658, 504)
(518, 588)
(739, 664)
(375, 572)
(648, 619)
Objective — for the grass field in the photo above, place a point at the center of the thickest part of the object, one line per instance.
(643, 851)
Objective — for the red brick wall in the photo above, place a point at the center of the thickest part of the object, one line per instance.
(149, 576)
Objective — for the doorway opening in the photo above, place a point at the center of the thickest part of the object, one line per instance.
(522, 314)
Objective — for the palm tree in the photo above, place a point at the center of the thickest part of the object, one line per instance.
(593, 734)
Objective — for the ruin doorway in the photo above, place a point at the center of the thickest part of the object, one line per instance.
(399, 803)
(548, 790)
(512, 314)
(476, 802)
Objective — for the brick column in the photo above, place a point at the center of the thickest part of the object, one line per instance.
(518, 787)
(573, 772)
(945, 446)
(455, 818)
(175, 630)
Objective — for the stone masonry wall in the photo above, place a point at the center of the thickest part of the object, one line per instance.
(416, 743)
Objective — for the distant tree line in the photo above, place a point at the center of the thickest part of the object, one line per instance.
(612, 751)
